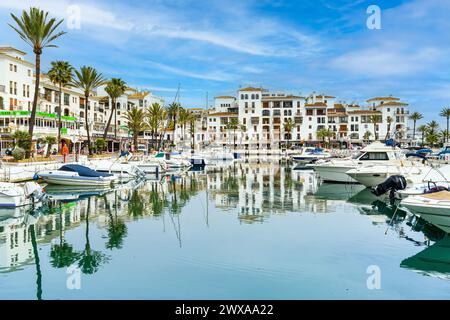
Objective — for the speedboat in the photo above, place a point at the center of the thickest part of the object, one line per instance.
(432, 207)
(173, 160)
(76, 175)
(335, 170)
(310, 155)
(148, 165)
(19, 195)
(122, 170)
(372, 176)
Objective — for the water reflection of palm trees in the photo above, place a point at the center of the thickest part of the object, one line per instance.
(62, 254)
(117, 229)
(90, 260)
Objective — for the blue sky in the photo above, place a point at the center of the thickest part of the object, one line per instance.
(215, 46)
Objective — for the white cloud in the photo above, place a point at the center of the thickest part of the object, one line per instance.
(386, 61)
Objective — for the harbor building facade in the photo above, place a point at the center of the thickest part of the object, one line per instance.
(253, 118)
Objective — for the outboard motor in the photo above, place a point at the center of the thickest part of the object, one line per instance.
(34, 191)
(392, 184)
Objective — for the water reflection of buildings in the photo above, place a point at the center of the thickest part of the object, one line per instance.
(260, 190)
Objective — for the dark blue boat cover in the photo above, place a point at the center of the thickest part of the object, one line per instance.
(84, 171)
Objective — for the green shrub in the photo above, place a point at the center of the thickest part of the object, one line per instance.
(18, 153)
(100, 144)
(22, 139)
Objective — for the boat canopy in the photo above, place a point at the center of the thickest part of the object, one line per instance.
(84, 171)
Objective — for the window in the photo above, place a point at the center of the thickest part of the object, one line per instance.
(10, 67)
(66, 99)
(15, 68)
(11, 87)
(253, 104)
(242, 97)
(29, 72)
(374, 156)
(257, 96)
(253, 97)
(246, 97)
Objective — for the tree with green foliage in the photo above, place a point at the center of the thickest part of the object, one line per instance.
(39, 32)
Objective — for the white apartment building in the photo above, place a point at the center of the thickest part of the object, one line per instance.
(262, 116)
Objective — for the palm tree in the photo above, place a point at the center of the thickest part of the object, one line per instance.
(445, 112)
(367, 135)
(173, 111)
(288, 127)
(375, 119)
(154, 118)
(432, 138)
(135, 123)
(61, 75)
(87, 79)
(38, 32)
(433, 126)
(324, 133)
(423, 129)
(191, 120)
(389, 121)
(115, 88)
(415, 116)
(183, 120)
(233, 124)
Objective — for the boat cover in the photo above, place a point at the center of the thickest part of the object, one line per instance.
(84, 171)
(441, 195)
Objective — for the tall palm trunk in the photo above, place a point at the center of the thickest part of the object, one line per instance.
(115, 122)
(87, 124)
(414, 130)
(113, 107)
(59, 118)
(35, 99)
(446, 135)
(36, 262)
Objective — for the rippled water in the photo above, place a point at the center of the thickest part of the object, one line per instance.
(245, 232)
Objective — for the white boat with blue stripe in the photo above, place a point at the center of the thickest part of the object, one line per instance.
(76, 175)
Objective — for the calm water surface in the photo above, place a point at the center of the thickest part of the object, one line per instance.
(247, 232)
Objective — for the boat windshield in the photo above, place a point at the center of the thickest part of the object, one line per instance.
(357, 155)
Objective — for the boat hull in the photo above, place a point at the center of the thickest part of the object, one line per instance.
(437, 215)
(75, 181)
(334, 174)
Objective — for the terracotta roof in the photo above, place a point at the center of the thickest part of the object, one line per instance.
(365, 112)
(138, 95)
(250, 89)
(322, 96)
(290, 97)
(223, 114)
(393, 103)
(12, 49)
(195, 109)
(225, 97)
(383, 99)
(317, 104)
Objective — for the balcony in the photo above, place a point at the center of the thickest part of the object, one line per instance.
(2, 89)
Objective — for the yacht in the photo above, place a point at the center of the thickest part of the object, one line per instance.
(218, 154)
(310, 155)
(76, 175)
(173, 160)
(335, 170)
(123, 170)
(432, 207)
(148, 165)
(19, 195)
(372, 176)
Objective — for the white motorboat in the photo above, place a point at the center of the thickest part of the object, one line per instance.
(19, 195)
(76, 175)
(148, 165)
(218, 154)
(432, 207)
(173, 160)
(372, 176)
(310, 155)
(122, 170)
(335, 170)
